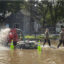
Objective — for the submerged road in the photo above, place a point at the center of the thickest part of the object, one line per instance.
(48, 55)
(28, 56)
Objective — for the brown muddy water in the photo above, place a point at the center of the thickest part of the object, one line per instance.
(24, 56)
(28, 56)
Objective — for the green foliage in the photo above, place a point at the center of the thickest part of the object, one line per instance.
(41, 37)
(30, 37)
(54, 37)
(33, 37)
(10, 6)
(44, 12)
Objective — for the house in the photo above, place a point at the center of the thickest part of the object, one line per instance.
(22, 21)
(59, 25)
(19, 20)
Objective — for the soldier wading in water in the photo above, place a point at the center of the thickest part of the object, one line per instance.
(47, 37)
(61, 41)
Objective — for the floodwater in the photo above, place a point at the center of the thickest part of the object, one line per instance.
(28, 56)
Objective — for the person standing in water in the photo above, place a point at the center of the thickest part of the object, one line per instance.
(61, 41)
(47, 37)
(13, 36)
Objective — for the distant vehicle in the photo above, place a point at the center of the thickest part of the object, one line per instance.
(22, 43)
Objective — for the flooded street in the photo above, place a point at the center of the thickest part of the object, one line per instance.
(24, 56)
(31, 31)
(48, 55)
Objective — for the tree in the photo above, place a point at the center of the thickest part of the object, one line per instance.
(47, 12)
(9, 6)
(44, 12)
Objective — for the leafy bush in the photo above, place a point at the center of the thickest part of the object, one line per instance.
(54, 37)
(33, 37)
(40, 37)
(30, 37)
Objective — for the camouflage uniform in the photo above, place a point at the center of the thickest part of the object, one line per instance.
(47, 38)
(61, 39)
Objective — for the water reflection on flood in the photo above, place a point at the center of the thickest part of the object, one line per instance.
(47, 56)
